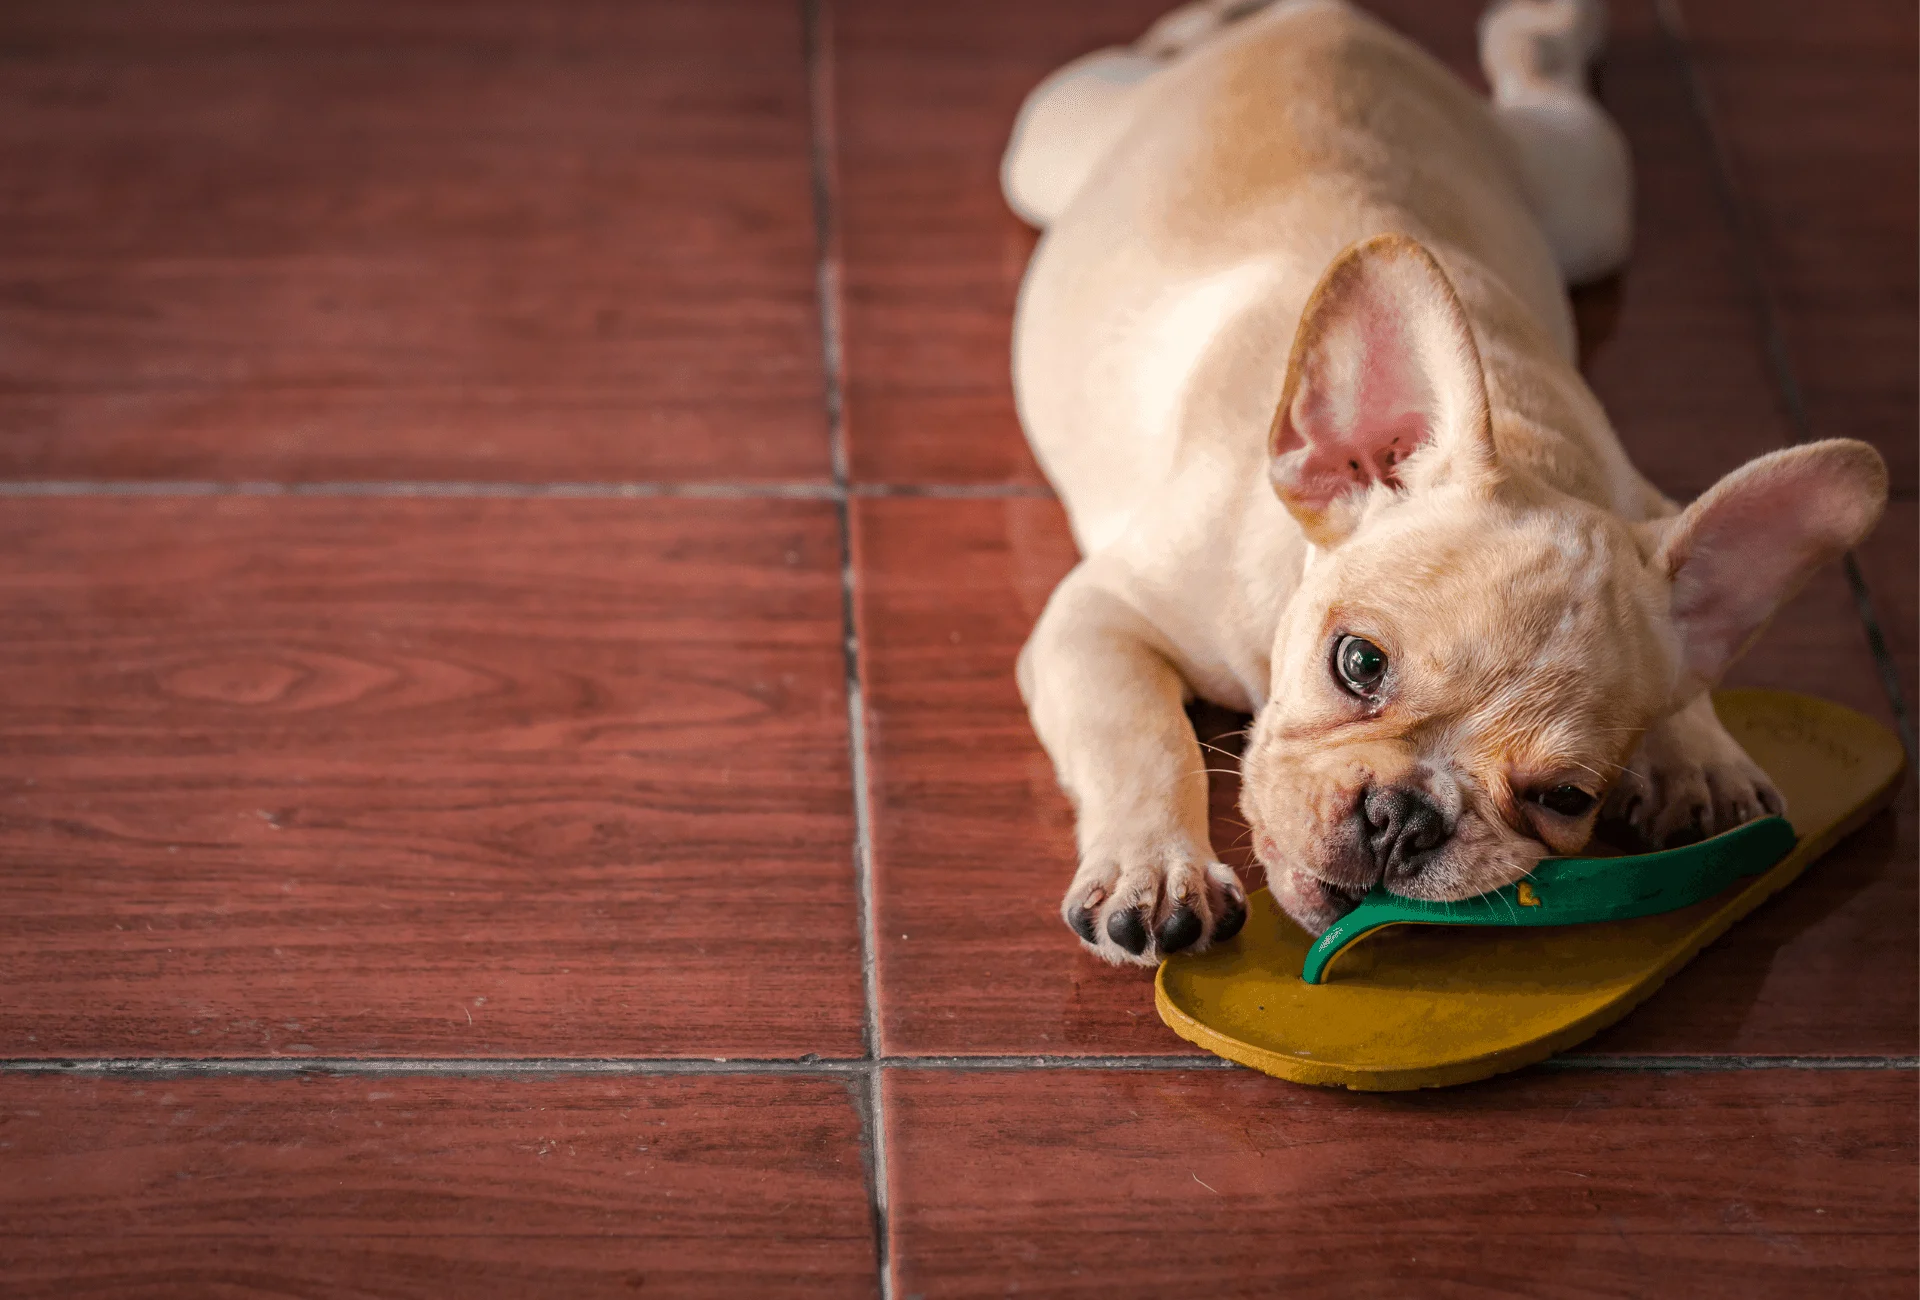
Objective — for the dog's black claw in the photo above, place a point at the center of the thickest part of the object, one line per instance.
(1082, 922)
(1127, 929)
(1230, 920)
(1180, 929)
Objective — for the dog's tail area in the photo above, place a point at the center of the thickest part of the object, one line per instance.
(1575, 161)
(1075, 115)
(1066, 124)
(1531, 48)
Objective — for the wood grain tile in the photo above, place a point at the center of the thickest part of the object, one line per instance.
(1673, 348)
(432, 1187)
(924, 97)
(397, 240)
(933, 259)
(1890, 562)
(462, 777)
(1085, 1183)
(1817, 643)
(973, 841)
(1818, 119)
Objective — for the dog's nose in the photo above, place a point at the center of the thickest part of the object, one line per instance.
(1402, 828)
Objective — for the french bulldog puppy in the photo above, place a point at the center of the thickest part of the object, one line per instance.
(1296, 352)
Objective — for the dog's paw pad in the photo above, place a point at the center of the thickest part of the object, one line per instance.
(1161, 902)
(1127, 929)
(1230, 920)
(1179, 930)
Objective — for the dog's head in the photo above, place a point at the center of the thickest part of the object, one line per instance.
(1472, 655)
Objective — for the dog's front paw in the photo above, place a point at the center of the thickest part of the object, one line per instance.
(1138, 907)
(1688, 780)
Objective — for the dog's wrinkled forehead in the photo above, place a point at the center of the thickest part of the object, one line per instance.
(1500, 622)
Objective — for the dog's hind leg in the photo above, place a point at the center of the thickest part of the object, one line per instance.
(1066, 124)
(1578, 173)
(1073, 117)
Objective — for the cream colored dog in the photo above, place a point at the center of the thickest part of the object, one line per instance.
(1297, 354)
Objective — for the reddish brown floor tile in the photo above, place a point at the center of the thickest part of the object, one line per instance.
(924, 97)
(973, 841)
(1674, 350)
(432, 1187)
(1817, 643)
(1067, 1183)
(1817, 113)
(393, 240)
(933, 259)
(1890, 562)
(509, 777)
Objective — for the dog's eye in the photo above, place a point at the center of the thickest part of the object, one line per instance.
(1567, 800)
(1360, 664)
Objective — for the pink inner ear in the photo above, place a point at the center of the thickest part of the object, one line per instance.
(1361, 407)
(1748, 545)
(1741, 560)
(1330, 468)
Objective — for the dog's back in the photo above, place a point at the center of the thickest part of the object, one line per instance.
(1156, 316)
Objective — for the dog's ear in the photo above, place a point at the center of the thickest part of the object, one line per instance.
(1384, 366)
(1739, 552)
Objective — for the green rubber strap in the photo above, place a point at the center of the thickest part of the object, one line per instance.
(1574, 891)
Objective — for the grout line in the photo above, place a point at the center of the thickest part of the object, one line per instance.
(417, 488)
(838, 490)
(952, 491)
(1716, 1064)
(816, 20)
(1882, 657)
(816, 38)
(871, 1069)
(875, 1108)
(1773, 335)
(998, 1064)
(862, 833)
(880, 1194)
(434, 1067)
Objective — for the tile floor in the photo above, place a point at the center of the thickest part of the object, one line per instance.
(510, 779)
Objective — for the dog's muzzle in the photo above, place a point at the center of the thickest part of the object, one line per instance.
(1403, 830)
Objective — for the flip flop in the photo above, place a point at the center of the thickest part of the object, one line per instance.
(1424, 995)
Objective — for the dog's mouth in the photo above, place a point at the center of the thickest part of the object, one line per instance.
(1311, 901)
(1342, 897)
